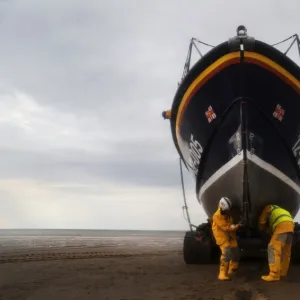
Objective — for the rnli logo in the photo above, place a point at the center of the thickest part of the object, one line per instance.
(278, 112)
(210, 114)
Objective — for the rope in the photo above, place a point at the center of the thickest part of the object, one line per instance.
(184, 208)
(203, 43)
(294, 35)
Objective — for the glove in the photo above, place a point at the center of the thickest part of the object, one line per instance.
(234, 226)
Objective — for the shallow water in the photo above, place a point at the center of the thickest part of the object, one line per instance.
(28, 239)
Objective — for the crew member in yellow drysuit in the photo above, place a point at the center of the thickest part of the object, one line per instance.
(281, 223)
(224, 232)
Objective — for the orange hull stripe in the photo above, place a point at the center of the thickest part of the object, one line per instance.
(222, 63)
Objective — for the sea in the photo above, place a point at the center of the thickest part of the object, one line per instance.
(12, 240)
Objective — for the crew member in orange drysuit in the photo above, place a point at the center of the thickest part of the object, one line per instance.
(225, 235)
(281, 224)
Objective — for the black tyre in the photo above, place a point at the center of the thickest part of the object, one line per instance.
(215, 254)
(197, 248)
(295, 255)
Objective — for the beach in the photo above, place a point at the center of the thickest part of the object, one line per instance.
(123, 265)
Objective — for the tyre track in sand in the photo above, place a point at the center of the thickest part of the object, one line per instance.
(46, 256)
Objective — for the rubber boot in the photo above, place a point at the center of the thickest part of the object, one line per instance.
(273, 275)
(233, 266)
(223, 271)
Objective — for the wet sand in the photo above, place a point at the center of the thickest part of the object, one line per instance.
(127, 268)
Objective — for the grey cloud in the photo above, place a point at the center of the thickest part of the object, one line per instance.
(77, 166)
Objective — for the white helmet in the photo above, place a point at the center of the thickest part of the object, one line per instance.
(225, 203)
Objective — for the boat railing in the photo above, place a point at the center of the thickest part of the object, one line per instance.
(195, 44)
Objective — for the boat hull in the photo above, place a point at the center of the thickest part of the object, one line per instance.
(266, 185)
(235, 122)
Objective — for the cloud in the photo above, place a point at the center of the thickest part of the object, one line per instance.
(82, 88)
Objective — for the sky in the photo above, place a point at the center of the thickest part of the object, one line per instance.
(82, 87)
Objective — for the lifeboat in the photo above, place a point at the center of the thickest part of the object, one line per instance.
(235, 122)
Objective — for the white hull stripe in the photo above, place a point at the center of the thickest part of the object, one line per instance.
(223, 170)
(274, 171)
(255, 159)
